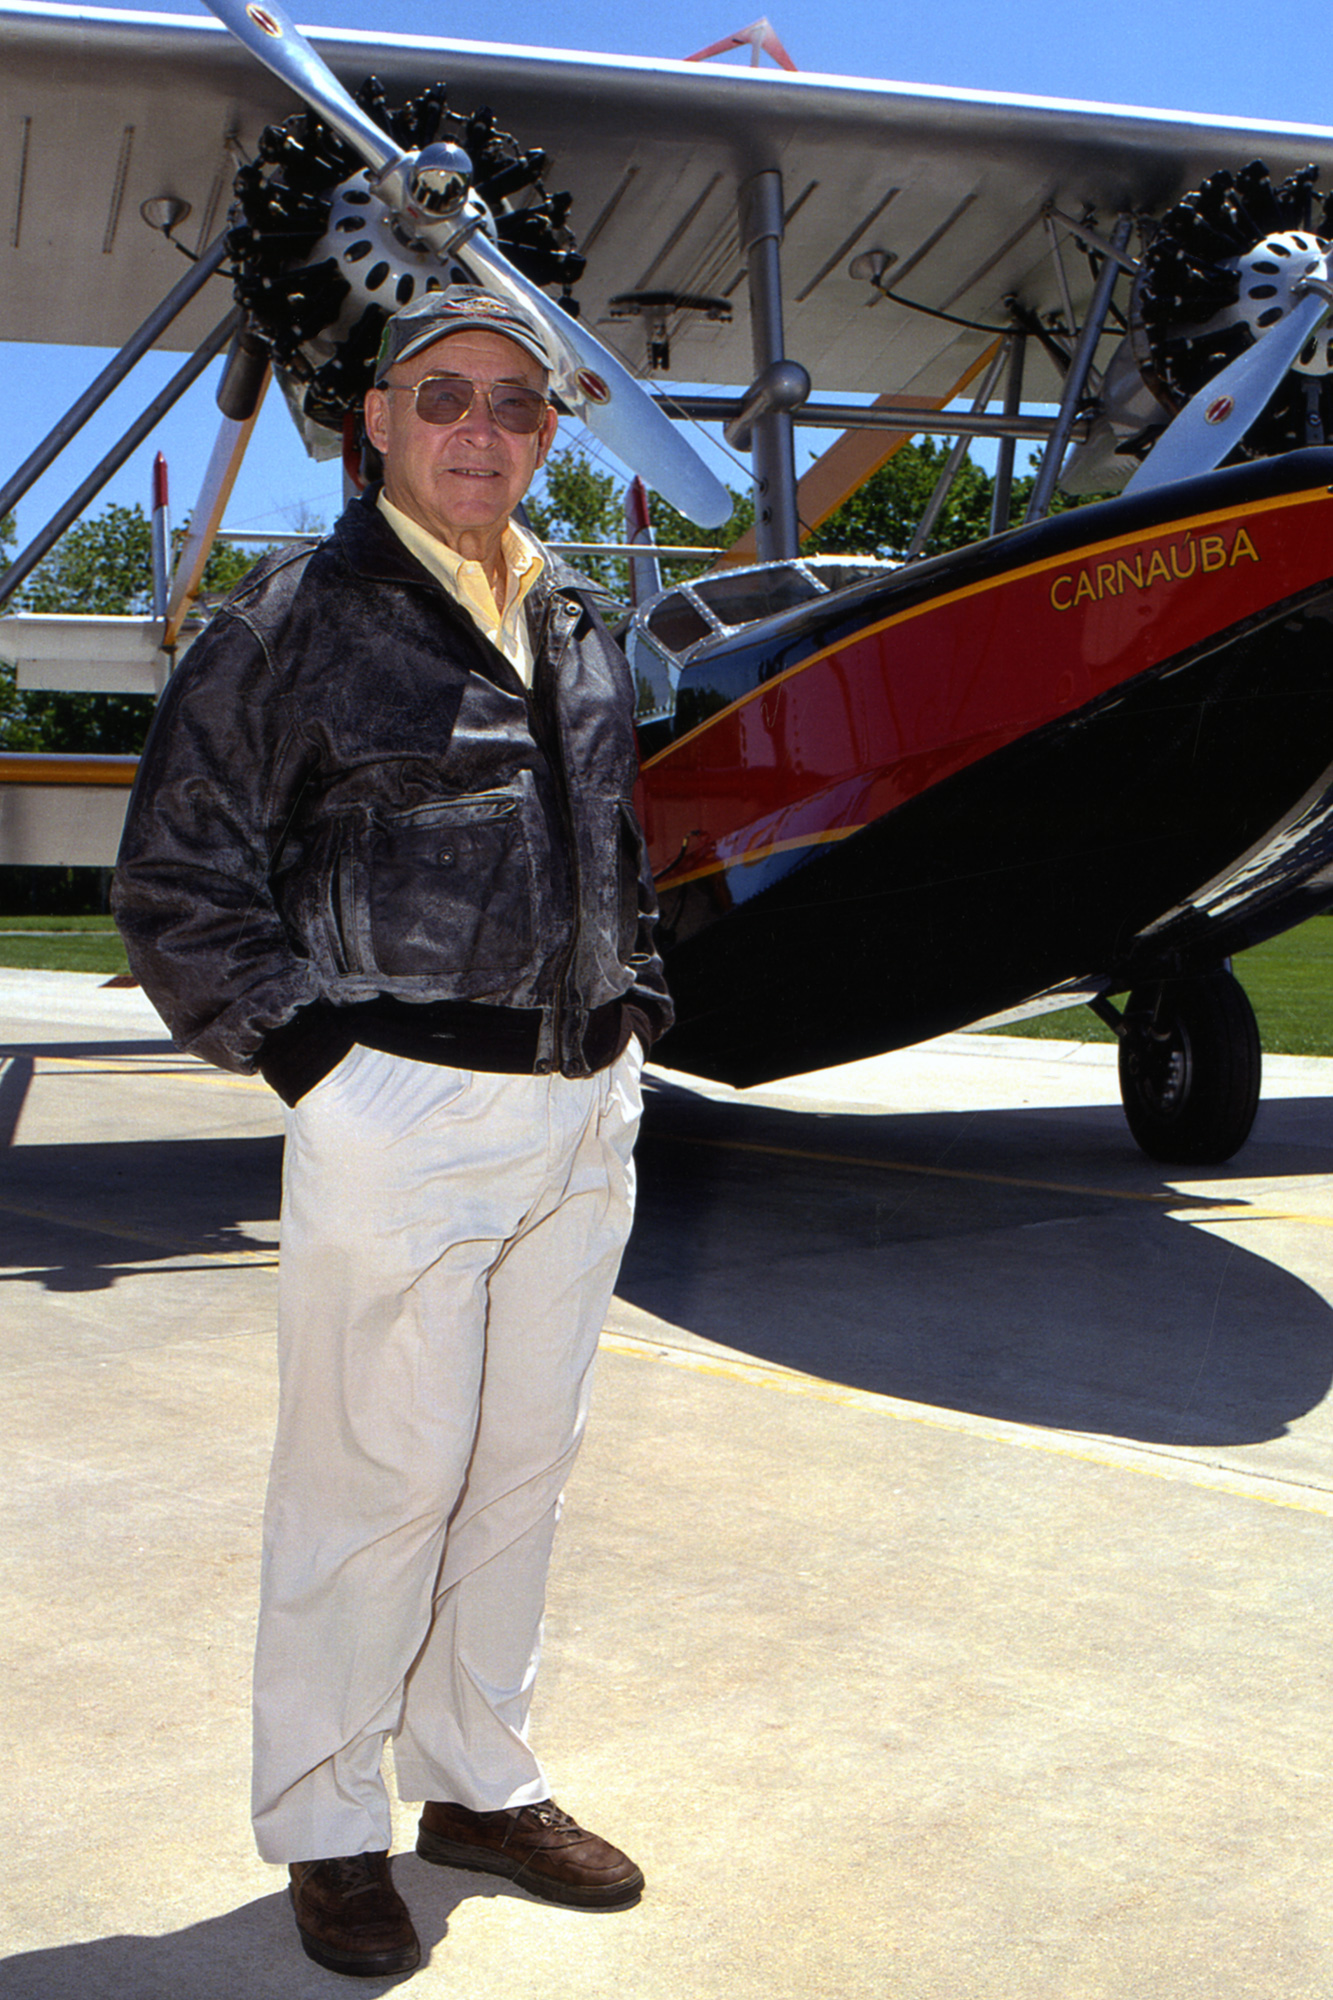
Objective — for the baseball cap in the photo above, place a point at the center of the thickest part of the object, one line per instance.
(457, 309)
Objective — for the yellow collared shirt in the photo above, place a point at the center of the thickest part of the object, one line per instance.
(467, 582)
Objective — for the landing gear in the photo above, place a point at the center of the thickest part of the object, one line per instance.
(1190, 1066)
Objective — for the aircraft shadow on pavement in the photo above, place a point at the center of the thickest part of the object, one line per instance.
(81, 1217)
(1029, 1265)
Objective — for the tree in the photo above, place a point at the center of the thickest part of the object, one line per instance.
(99, 567)
(578, 503)
(881, 518)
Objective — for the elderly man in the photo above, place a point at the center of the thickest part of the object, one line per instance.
(382, 849)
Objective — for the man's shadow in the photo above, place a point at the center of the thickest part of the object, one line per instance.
(251, 1952)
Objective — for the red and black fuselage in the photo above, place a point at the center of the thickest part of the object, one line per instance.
(1091, 751)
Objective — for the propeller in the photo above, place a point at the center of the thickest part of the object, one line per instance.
(1217, 417)
(431, 193)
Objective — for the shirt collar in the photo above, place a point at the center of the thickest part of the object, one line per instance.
(523, 556)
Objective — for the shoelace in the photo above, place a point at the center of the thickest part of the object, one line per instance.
(347, 1868)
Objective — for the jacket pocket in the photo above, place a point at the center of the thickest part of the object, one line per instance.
(448, 895)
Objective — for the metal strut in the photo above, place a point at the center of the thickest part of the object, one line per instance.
(780, 384)
(1079, 367)
(116, 457)
(1004, 458)
(113, 374)
(954, 460)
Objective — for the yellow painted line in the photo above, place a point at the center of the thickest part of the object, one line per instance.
(1146, 1461)
(106, 1065)
(1171, 1199)
(145, 1066)
(914, 1167)
(1263, 1215)
(136, 1267)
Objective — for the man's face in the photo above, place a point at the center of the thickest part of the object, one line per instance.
(460, 481)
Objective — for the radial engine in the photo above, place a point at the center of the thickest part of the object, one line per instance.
(1220, 269)
(319, 264)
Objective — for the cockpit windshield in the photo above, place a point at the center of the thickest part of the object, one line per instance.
(663, 637)
(678, 623)
(739, 597)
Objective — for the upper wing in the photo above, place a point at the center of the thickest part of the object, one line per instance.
(104, 111)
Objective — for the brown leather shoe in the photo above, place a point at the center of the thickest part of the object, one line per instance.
(350, 1917)
(539, 1847)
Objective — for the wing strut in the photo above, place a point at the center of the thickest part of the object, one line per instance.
(1004, 459)
(116, 457)
(780, 385)
(112, 375)
(1043, 486)
(957, 454)
(228, 451)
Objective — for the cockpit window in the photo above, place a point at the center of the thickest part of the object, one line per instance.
(655, 677)
(677, 624)
(739, 599)
(838, 575)
(664, 639)
(728, 600)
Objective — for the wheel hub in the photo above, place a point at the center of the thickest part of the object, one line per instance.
(1160, 1066)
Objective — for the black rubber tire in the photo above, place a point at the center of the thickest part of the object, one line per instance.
(1190, 1068)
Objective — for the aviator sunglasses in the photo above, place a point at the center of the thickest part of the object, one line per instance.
(446, 399)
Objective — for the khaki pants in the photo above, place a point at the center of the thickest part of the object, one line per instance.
(450, 1243)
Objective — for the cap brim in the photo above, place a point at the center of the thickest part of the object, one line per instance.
(469, 323)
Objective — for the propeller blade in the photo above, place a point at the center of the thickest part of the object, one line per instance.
(590, 382)
(1217, 416)
(273, 37)
(600, 392)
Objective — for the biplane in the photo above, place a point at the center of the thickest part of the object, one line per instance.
(1088, 756)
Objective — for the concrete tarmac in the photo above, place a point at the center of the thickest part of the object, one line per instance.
(941, 1605)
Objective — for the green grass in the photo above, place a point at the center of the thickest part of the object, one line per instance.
(62, 944)
(1289, 980)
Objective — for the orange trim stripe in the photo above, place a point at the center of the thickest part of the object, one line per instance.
(761, 853)
(36, 767)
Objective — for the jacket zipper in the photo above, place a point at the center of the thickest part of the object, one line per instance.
(546, 728)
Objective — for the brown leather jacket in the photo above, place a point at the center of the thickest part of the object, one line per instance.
(349, 806)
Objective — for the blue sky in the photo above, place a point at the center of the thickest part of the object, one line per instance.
(1229, 60)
